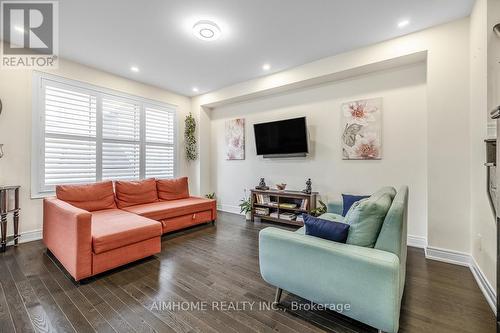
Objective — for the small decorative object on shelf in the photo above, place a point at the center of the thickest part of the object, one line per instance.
(281, 186)
(9, 203)
(262, 185)
(308, 188)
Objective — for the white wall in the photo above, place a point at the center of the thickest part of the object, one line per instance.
(448, 134)
(447, 189)
(404, 142)
(15, 127)
(493, 17)
(483, 227)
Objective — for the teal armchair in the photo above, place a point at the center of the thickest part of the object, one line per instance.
(370, 281)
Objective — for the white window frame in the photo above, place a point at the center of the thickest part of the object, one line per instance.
(38, 127)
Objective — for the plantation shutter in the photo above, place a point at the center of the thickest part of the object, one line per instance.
(84, 133)
(121, 139)
(70, 136)
(160, 134)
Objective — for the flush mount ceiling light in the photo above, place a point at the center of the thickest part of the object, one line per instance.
(206, 30)
(134, 69)
(266, 67)
(403, 23)
(195, 89)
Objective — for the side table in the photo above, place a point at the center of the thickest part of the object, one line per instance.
(9, 203)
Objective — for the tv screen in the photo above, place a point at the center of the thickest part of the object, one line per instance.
(281, 137)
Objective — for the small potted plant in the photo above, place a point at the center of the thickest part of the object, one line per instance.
(210, 195)
(322, 209)
(246, 206)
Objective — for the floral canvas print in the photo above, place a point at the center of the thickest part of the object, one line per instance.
(362, 130)
(235, 139)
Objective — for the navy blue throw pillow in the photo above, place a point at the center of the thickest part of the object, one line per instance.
(348, 200)
(335, 231)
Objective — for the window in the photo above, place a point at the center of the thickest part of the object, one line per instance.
(84, 133)
(159, 143)
(120, 139)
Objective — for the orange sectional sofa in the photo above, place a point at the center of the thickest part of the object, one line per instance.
(97, 227)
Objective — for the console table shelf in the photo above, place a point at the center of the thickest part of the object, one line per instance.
(9, 204)
(283, 208)
(280, 198)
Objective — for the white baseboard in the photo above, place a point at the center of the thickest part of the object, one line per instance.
(448, 256)
(229, 209)
(487, 289)
(465, 259)
(417, 241)
(28, 236)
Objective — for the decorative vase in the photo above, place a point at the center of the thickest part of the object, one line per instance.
(248, 215)
(281, 187)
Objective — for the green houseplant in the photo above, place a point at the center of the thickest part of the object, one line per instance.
(246, 206)
(322, 209)
(189, 137)
(210, 195)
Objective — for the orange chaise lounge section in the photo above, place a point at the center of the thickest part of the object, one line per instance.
(97, 227)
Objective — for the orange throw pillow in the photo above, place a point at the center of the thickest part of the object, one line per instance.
(131, 193)
(90, 197)
(173, 189)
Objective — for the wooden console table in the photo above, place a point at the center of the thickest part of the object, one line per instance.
(9, 203)
(277, 200)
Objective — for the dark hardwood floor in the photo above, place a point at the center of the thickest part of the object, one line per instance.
(212, 264)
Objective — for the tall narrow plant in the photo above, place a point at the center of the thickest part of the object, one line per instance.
(190, 139)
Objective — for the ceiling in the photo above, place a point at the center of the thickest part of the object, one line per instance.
(156, 36)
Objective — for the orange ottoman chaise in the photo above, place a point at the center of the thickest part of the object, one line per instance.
(91, 228)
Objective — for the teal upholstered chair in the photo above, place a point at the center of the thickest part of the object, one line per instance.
(370, 280)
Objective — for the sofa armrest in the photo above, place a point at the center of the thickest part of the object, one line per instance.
(67, 234)
(335, 207)
(329, 273)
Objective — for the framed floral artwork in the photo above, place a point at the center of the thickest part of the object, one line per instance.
(362, 130)
(235, 139)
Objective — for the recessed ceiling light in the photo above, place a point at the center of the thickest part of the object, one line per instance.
(19, 29)
(134, 69)
(206, 30)
(266, 67)
(195, 89)
(403, 23)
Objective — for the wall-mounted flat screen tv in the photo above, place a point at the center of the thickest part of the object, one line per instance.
(282, 138)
